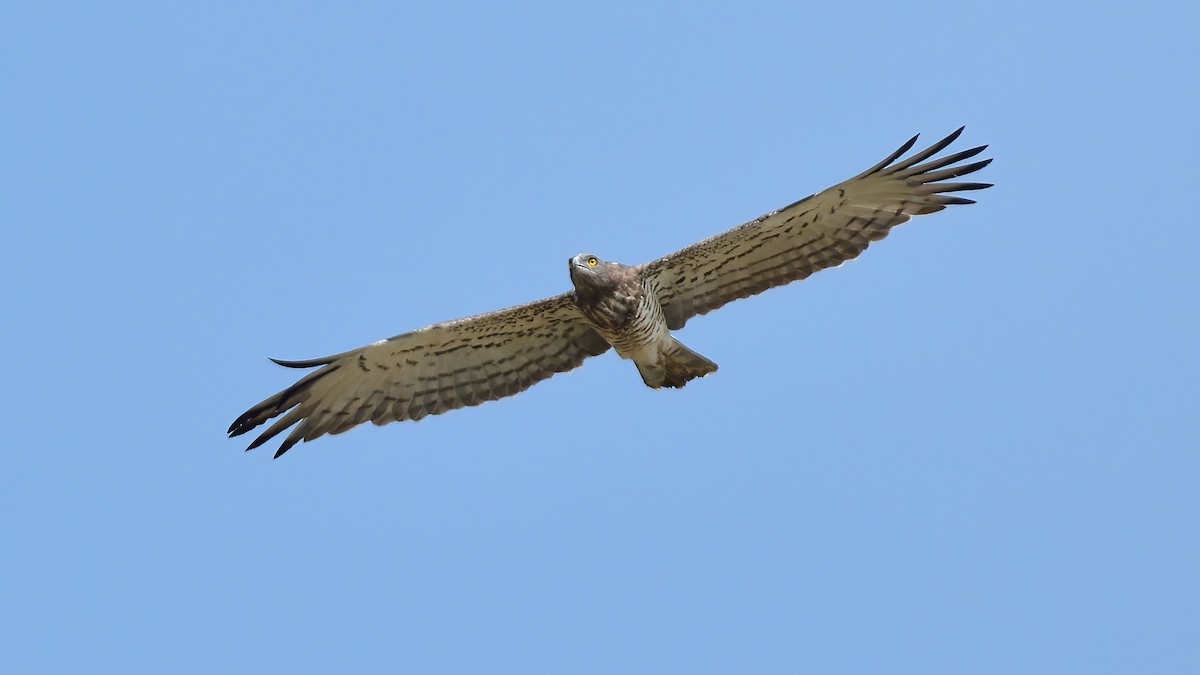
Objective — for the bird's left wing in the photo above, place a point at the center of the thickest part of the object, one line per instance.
(428, 371)
(819, 231)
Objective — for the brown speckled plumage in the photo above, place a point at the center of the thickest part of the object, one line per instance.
(630, 308)
(608, 295)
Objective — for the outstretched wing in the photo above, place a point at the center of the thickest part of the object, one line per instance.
(819, 231)
(428, 371)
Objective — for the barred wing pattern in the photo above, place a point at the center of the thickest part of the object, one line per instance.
(817, 232)
(428, 371)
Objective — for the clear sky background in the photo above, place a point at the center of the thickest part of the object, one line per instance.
(972, 450)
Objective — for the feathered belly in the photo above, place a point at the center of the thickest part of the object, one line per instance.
(639, 338)
(628, 316)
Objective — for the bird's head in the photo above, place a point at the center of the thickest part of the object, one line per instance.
(589, 272)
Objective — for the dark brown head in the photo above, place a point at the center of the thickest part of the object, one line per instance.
(590, 273)
(593, 276)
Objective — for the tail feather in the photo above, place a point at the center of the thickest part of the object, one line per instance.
(677, 365)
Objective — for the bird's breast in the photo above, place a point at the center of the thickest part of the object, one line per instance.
(629, 321)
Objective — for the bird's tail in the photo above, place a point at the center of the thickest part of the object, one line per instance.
(676, 366)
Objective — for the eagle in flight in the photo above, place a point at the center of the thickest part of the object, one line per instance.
(631, 309)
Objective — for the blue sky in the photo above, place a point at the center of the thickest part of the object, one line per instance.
(973, 449)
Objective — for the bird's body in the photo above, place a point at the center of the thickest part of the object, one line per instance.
(631, 309)
(622, 305)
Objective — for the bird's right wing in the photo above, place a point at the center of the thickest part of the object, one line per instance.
(817, 232)
(428, 371)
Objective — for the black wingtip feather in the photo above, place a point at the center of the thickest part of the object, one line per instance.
(241, 425)
(287, 444)
(965, 154)
(921, 156)
(901, 150)
(951, 201)
(310, 363)
(960, 187)
(272, 407)
(886, 161)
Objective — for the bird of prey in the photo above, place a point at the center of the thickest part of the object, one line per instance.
(631, 309)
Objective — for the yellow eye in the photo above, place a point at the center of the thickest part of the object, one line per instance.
(592, 262)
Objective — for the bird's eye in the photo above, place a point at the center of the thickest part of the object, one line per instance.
(592, 262)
